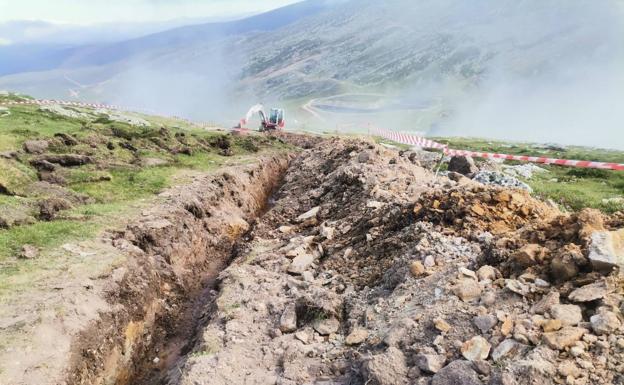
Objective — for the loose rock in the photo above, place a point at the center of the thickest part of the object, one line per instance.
(288, 320)
(430, 363)
(477, 348)
(457, 373)
(564, 338)
(357, 336)
(589, 293)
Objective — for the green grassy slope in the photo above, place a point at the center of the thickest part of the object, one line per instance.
(128, 165)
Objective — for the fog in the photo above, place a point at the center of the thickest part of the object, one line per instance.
(525, 70)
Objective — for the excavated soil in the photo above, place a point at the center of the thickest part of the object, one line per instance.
(349, 263)
(369, 270)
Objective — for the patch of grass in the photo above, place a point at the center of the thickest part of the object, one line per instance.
(127, 185)
(42, 235)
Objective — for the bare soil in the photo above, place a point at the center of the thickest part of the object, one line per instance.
(347, 263)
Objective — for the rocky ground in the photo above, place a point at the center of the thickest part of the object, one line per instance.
(370, 270)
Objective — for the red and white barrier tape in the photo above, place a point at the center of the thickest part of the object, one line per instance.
(536, 159)
(426, 143)
(407, 138)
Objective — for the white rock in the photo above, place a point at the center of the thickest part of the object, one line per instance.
(309, 215)
(301, 264)
(606, 250)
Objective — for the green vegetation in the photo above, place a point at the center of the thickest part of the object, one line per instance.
(128, 165)
(572, 188)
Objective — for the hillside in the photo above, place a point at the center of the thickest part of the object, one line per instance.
(442, 67)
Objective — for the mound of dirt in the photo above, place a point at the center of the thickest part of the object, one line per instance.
(368, 270)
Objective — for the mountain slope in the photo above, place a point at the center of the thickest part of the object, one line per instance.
(437, 56)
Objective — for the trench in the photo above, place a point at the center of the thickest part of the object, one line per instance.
(195, 315)
(168, 293)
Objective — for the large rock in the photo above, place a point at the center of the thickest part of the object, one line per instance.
(589, 293)
(529, 255)
(67, 160)
(605, 322)
(356, 337)
(508, 349)
(388, 368)
(606, 250)
(570, 315)
(457, 373)
(301, 264)
(49, 208)
(36, 146)
(564, 338)
(546, 303)
(467, 289)
(476, 349)
(326, 326)
(464, 165)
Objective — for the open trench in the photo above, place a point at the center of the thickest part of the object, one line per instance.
(176, 252)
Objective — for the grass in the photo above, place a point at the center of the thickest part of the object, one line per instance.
(43, 235)
(116, 182)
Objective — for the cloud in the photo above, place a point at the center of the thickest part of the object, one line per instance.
(100, 11)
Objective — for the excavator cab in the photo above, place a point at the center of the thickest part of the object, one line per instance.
(275, 120)
(276, 117)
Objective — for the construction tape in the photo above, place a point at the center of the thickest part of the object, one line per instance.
(426, 143)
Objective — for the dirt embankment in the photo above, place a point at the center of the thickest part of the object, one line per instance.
(369, 270)
(177, 249)
(109, 329)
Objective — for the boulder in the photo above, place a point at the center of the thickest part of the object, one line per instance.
(67, 160)
(29, 252)
(301, 264)
(529, 255)
(464, 165)
(309, 214)
(36, 146)
(606, 250)
(356, 337)
(485, 323)
(546, 303)
(48, 208)
(326, 326)
(508, 349)
(467, 289)
(457, 373)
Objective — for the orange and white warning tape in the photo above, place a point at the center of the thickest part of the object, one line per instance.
(426, 143)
